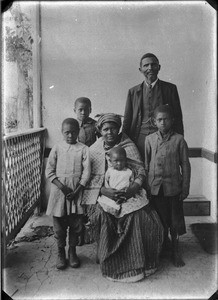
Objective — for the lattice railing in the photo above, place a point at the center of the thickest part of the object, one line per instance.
(21, 181)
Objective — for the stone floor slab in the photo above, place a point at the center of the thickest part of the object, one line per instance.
(30, 272)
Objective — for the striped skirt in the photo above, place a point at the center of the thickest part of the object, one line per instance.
(134, 254)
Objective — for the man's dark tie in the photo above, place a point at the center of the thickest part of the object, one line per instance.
(150, 101)
(149, 92)
(149, 88)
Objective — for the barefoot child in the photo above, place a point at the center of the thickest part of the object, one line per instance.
(120, 177)
(68, 169)
(168, 171)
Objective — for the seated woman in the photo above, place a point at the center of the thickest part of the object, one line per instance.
(133, 255)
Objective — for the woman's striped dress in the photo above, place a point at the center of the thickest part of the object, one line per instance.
(134, 254)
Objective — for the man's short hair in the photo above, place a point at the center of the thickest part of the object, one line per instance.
(148, 55)
(163, 109)
(84, 100)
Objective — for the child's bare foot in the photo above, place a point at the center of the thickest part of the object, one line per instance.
(176, 256)
(177, 260)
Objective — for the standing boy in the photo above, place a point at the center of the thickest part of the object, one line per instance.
(87, 135)
(168, 171)
(68, 169)
(87, 132)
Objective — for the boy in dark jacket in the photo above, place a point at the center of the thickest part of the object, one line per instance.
(168, 173)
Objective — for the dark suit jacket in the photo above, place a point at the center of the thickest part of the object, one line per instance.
(133, 110)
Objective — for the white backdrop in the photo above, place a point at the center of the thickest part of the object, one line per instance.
(93, 49)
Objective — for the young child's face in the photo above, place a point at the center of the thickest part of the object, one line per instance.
(118, 161)
(70, 133)
(82, 111)
(163, 122)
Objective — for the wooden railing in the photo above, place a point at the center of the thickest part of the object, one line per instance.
(21, 179)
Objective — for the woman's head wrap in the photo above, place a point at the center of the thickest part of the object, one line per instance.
(108, 117)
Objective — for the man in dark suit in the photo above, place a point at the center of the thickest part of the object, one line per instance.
(144, 98)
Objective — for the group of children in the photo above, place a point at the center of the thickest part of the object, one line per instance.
(68, 168)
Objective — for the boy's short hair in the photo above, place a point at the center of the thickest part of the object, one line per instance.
(72, 122)
(84, 100)
(163, 109)
(119, 150)
(148, 55)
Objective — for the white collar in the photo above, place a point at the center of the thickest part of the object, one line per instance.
(67, 146)
(152, 84)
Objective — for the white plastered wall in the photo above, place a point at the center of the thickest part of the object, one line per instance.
(94, 49)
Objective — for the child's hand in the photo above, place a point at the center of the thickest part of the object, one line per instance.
(66, 190)
(121, 200)
(70, 196)
(183, 196)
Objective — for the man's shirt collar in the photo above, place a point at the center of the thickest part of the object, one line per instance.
(153, 83)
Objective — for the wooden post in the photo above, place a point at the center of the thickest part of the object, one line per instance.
(23, 115)
(36, 48)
